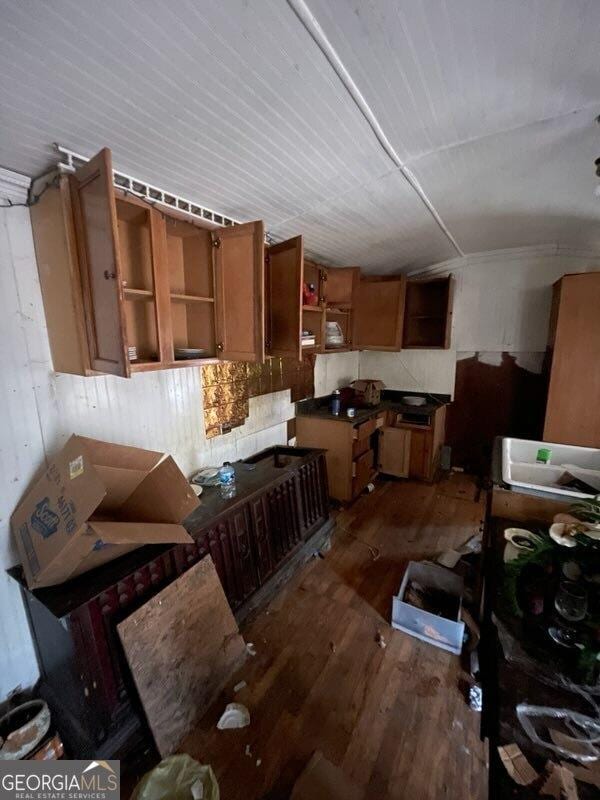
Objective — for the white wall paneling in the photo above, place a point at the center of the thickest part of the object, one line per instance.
(502, 299)
(334, 370)
(411, 370)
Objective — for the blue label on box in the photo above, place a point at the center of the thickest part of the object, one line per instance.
(43, 520)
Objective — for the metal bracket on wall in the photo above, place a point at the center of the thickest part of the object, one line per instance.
(69, 161)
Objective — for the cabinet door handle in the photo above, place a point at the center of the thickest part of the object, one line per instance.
(220, 346)
(109, 275)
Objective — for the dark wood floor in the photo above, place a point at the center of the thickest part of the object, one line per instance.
(394, 719)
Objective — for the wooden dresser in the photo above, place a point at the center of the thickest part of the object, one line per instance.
(278, 517)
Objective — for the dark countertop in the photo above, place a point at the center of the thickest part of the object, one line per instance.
(319, 407)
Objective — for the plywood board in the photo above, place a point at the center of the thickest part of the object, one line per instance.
(182, 646)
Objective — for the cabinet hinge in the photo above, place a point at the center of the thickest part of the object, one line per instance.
(216, 241)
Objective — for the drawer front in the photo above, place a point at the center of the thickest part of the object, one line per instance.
(359, 447)
(362, 469)
(365, 429)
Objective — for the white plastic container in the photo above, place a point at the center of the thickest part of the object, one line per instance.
(439, 631)
(520, 469)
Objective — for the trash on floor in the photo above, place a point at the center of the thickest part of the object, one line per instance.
(322, 780)
(517, 766)
(250, 649)
(235, 716)
(578, 738)
(380, 640)
(239, 686)
(178, 777)
(559, 783)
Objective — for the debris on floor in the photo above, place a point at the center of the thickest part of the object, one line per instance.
(250, 649)
(560, 783)
(322, 780)
(332, 647)
(235, 716)
(178, 777)
(517, 766)
(239, 686)
(380, 640)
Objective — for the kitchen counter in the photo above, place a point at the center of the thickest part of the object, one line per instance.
(319, 407)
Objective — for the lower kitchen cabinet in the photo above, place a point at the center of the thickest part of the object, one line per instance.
(413, 451)
(278, 514)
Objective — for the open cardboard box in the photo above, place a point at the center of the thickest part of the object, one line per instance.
(97, 501)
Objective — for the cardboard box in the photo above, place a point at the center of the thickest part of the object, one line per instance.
(97, 501)
(369, 391)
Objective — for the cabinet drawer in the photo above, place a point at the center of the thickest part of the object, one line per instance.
(362, 468)
(364, 429)
(360, 446)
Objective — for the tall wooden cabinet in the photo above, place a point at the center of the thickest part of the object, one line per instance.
(574, 362)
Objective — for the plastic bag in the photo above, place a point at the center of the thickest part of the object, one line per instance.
(569, 733)
(178, 778)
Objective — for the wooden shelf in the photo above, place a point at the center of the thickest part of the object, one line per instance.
(312, 308)
(145, 366)
(138, 294)
(427, 316)
(344, 312)
(342, 349)
(191, 298)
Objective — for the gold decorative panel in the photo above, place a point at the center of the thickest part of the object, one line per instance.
(227, 386)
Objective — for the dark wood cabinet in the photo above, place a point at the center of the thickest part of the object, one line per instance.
(277, 517)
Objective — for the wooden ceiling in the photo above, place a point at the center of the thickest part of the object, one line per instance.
(489, 104)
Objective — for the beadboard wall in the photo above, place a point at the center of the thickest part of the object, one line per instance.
(41, 408)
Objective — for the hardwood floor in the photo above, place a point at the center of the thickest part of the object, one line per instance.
(393, 718)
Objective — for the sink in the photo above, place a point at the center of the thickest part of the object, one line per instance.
(520, 469)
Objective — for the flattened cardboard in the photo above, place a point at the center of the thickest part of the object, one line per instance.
(56, 525)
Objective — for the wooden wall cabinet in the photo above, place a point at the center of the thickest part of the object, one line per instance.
(283, 286)
(574, 362)
(379, 312)
(127, 288)
(336, 289)
(428, 314)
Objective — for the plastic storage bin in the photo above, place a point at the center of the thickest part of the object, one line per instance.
(439, 631)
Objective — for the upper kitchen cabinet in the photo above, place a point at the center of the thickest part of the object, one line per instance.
(339, 293)
(428, 313)
(283, 289)
(128, 288)
(240, 292)
(379, 312)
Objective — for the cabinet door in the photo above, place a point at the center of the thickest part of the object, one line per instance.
(378, 313)
(239, 297)
(421, 455)
(95, 218)
(394, 451)
(284, 276)
(244, 566)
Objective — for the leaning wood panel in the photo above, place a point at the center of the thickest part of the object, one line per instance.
(182, 646)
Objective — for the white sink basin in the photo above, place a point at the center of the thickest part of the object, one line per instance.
(519, 467)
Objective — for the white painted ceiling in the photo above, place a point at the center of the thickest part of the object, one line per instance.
(490, 104)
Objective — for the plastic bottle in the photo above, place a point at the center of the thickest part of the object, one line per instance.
(335, 403)
(227, 475)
